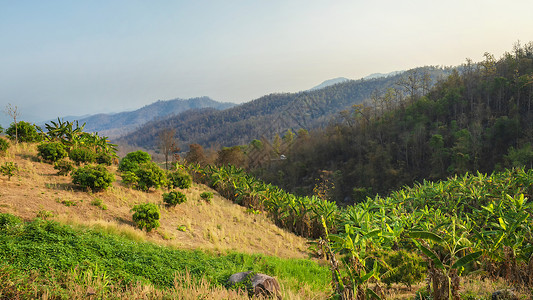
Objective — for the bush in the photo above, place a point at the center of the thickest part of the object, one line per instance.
(9, 169)
(207, 196)
(25, 132)
(150, 175)
(146, 216)
(52, 151)
(179, 179)
(82, 155)
(63, 167)
(4, 145)
(104, 159)
(173, 198)
(8, 220)
(133, 160)
(96, 178)
(408, 267)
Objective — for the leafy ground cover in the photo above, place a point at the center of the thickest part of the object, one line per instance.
(48, 247)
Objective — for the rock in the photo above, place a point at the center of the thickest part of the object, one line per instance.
(256, 284)
(505, 294)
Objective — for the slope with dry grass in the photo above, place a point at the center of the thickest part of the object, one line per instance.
(195, 224)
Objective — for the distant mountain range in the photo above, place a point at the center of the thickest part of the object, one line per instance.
(115, 125)
(266, 116)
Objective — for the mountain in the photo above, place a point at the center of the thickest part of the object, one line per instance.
(328, 83)
(266, 116)
(115, 125)
(381, 75)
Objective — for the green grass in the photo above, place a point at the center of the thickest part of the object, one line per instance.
(48, 247)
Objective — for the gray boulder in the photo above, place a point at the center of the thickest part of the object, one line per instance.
(256, 284)
(505, 294)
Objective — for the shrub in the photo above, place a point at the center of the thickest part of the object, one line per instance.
(94, 177)
(146, 216)
(25, 132)
(64, 167)
(150, 175)
(207, 196)
(133, 160)
(104, 159)
(173, 198)
(9, 169)
(52, 151)
(408, 267)
(4, 145)
(179, 179)
(9, 220)
(82, 155)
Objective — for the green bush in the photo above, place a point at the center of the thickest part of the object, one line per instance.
(174, 197)
(133, 160)
(96, 178)
(63, 167)
(25, 132)
(408, 267)
(8, 220)
(82, 155)
(179, 179)
(104, 158)
(207, 196)
(9, 169)
(52, 151)
(146, 216)
(150, 175)
(4, 145)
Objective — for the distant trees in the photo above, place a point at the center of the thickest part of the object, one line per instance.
(13, 112)
(168, 144)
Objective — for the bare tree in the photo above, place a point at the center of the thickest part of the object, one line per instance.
(167, 144)
(13, 112)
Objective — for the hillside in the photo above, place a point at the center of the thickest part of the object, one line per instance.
(267, 116)
(220, 226)
(478, 119)
(115, 125)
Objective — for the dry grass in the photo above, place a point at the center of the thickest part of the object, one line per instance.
(216, 226)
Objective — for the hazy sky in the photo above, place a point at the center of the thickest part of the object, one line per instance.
(62, 58)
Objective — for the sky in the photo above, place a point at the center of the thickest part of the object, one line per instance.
(60, 58)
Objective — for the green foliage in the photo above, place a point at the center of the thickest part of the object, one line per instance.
(149, 175)
(406, 267)
(52, 151)
(207, 196)
(72, 136)
(99, 203)
(4, 145)
(9, 169)
(25, 131)
(82, 155)
(55, 250)
(179, 179)
(63, 167)
(521, 157)
(174, 197)
(104, 158)
(132, 161)
(146, 216)
(96, 178)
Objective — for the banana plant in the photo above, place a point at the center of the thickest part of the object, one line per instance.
(448, 255)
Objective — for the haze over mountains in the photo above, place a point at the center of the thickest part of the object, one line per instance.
(115, 125)
(267, 116)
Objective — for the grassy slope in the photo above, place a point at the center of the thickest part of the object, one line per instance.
(218, 227)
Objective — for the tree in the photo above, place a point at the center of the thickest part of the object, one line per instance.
(167, 144)
(13, 112)
(196, 154)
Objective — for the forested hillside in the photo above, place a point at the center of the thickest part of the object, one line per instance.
(114, 125)
(266, 116)
(479, 118)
